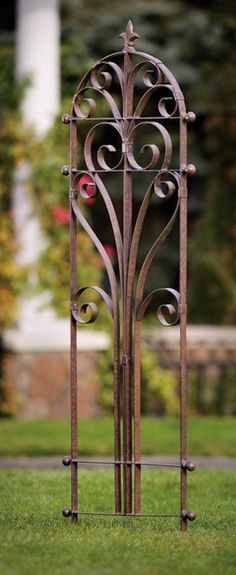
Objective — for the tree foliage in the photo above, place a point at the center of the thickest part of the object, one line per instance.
(13, 146)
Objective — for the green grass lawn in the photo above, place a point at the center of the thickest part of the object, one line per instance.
(36, 539)
(207, 436)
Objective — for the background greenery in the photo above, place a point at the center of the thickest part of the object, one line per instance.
(197, 43)
(160, 436)
(14, 146)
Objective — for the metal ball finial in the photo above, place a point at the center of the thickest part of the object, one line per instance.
(190, 515)
(189, 117)
(65, 170)
(66, 119)
(188, 465)
(67, 512)
(66, 460)
(190, 170)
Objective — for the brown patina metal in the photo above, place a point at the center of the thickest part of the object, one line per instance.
(127, 301)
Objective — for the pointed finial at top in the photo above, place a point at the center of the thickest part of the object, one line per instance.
(129, 37)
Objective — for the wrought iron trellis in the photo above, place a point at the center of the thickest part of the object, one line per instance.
(114, 79)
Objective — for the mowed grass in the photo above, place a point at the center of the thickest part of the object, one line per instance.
(35, 537)
(206, 436)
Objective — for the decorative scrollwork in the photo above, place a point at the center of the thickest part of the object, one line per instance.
(99, 81)
(162, 104)
(110, 148)
(85, 183)
(79, 103)
(167, 313)
(164, 189)
(155, 79)
(126, 148)
(88, 312)
(107, 77)
(153, 76)
(153, 147)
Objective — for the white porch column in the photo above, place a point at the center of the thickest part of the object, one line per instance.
(37, 57)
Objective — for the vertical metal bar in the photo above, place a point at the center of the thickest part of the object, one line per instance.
(183, 316)
(137, 416)
(127, 317)
(73, 334)
(117, 412)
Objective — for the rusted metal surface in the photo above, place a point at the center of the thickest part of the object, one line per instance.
(114, 80)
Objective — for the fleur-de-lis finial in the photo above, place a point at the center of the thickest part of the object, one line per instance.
(129, 37)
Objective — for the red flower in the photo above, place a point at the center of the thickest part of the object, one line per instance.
(109, 250)
(88, 187)
(89, 200)
(61, 215)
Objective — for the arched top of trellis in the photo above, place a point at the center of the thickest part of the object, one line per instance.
(143, 69)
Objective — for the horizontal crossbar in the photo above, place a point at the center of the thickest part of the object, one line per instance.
(112, 514)
(113, 119)
(133, 463)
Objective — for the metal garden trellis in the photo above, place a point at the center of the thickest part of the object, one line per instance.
(111, 85)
